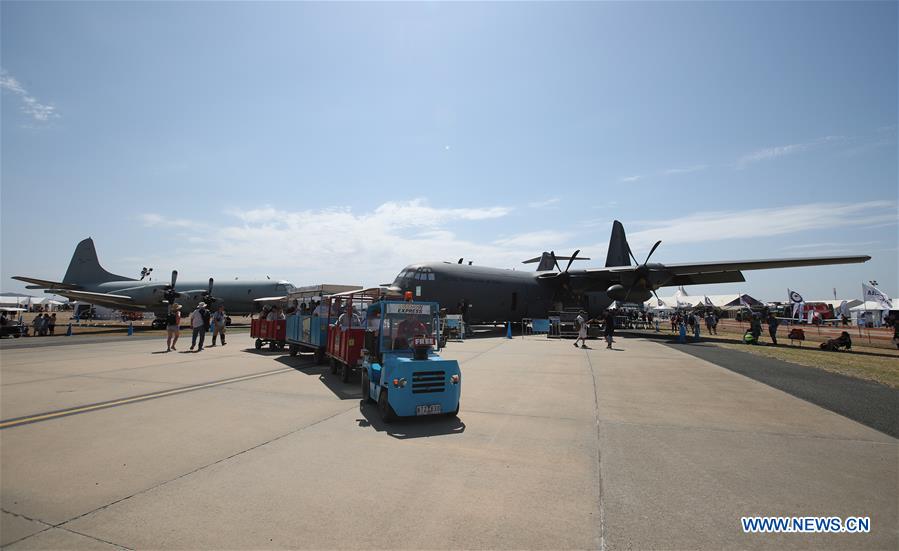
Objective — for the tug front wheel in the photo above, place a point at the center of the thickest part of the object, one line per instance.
(387, 413)
(366, 396)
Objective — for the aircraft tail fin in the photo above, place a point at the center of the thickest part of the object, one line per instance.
(618, 254)
(84, 268)
(547, 263)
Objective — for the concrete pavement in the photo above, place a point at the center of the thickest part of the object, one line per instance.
(555, 447)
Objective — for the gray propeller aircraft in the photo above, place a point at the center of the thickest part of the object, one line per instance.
(87, 281)
(496, 294)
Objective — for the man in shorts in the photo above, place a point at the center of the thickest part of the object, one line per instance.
(581, 323)
(172, 327)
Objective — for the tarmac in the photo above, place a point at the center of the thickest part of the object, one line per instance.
(113, 444)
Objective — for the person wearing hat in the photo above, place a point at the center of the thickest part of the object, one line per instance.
(172, 327)
(199, 323)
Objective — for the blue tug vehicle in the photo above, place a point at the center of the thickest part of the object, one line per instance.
(402, 371)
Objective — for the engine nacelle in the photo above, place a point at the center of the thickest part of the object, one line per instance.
(620, 293)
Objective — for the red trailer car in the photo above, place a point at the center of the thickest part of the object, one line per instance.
(271, 332)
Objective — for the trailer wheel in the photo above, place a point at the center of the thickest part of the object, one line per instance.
(366, 396)
(332, 363)
(258, 344)
(345, 371)
(294, 349)
(387, 413)
(319, 356)
(272, 345)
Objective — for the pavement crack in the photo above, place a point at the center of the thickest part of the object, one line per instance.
(206, 466)
(599, 491)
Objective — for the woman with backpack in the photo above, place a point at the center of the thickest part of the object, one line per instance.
(173, 327)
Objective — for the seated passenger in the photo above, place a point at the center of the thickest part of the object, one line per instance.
(408, 328)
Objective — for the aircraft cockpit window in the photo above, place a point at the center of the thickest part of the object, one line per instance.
(431, 276)
(418, 276)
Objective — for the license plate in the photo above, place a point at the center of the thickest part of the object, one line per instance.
(427, 410)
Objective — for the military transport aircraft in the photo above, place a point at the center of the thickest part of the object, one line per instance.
(87, 281)
(496, 294)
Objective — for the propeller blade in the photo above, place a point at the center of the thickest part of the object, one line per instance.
(210, 286)
(572, 259)
(556, 262)
(636, 262)
(174, 277)
(658, 300)
(652, 250)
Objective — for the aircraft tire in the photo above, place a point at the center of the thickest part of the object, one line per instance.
(387, 413)
(258, 344)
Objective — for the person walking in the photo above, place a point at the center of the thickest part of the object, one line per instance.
(219, 320)
(580, 323)
(199, 323)
(772, 327)
(52, 323)
(172, 327)
(608, 328)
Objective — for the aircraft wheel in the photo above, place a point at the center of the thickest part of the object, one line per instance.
(258, 344)
(366, 396)
(294, 349)
(333, 364)
(387, 413)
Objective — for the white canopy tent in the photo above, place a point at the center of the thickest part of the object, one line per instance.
(872, 311)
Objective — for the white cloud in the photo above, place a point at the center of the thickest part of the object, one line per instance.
(766, 222)
(337, 245)
(543, 240)
(41, 112)
(775, 152)
(686, 170)
(631, 178)
(547, 203)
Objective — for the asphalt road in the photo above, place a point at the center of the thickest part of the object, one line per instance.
(118, 445)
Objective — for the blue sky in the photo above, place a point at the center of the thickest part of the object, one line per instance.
(339, 142)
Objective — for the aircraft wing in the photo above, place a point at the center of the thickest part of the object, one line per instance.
(738, 265)
(45, 284)
(700, 273)
(101, 299)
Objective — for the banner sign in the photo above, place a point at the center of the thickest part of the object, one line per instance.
(874, 294)
(408, 308)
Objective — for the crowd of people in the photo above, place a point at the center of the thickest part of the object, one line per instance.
(201, 321)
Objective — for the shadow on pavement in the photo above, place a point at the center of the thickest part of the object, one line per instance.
(411, 427)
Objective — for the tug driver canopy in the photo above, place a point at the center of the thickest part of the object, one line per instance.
(401, 322)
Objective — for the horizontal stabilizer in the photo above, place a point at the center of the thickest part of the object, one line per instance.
(45, 283)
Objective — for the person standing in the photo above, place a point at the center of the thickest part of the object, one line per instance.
(199, 323)
(581, 325)
(609, 327)
(696, 323)
(52, 323)
(36, 325)
(772, 327)
(219, 321)
(172, 327)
